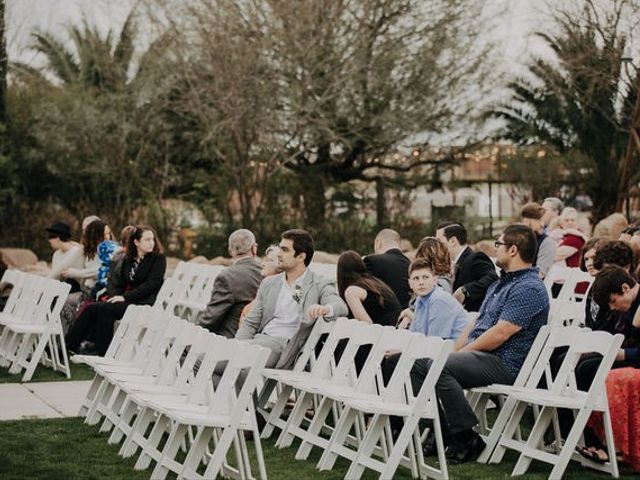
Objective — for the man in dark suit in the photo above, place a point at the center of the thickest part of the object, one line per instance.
(390, 265)
(234, 287)
(473, 271)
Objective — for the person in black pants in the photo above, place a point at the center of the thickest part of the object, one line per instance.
(616, 289)
(143, 271)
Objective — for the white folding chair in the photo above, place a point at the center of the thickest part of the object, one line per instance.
(34, 325)
(480, 396)
(562, 393)
(397, 399)
(229, 411)
(306, 361)
(339, 380)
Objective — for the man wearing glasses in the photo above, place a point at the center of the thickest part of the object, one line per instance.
(492, 348)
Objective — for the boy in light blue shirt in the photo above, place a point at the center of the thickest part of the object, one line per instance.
(436, 312)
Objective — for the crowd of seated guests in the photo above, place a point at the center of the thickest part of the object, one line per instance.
(276, 302)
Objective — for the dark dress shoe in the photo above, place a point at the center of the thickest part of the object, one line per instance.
(465, 451)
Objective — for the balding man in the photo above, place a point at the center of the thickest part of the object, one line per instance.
(390, 265)
(235, 286)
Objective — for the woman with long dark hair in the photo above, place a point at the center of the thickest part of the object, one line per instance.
(86, 275)
(143, 269)
(369, 298)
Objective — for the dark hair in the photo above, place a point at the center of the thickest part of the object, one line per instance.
(533, 211)
(92, 237)
(614, 252)
(444, 224)
(522, 237)
(593, 242)
(609, 281)
(436, 254)
(421, 264)
(302, 243)
(352, 271)
(136, 234)
(456, 230)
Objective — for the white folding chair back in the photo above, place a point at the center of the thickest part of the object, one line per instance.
(566, 312)
(33, 325)
(325, 270)
(561, 392)
(397, 399)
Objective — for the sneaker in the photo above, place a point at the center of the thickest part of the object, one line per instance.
(553, 447)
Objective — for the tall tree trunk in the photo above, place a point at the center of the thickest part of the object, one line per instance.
(3, 64)
(313, 182)
(380, 204)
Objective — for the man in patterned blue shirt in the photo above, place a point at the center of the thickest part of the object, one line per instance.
(493, 347)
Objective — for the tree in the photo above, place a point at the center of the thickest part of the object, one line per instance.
(96, 134)
(325, 89)
(363, 77)
(582, 98)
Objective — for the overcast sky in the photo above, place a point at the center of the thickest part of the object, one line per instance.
(514, 20)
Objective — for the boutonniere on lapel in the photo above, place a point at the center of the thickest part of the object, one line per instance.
(297, 294)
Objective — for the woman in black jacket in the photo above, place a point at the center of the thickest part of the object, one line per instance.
(143, 270)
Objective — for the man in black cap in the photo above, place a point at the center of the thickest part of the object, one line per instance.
(66, 253)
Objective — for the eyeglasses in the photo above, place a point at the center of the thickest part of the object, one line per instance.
(498, 243)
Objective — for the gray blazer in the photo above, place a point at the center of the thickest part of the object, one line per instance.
(233, 288)
(315, 290)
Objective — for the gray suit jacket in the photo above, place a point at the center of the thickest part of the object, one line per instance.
(315, 290)
(233, 288)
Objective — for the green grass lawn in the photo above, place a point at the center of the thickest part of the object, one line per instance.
(68, 449)
(46, 374)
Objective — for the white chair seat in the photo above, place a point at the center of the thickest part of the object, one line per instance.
(21, 327)
(199, 415)
(376, 406)
(546, 398)
(6, 318)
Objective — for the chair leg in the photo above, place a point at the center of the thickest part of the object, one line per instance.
(509, 430)
(169, 451)
(611, 447)
(196, 452)
(535, 440)
(340, 432)
(314, 429)
(296, 417)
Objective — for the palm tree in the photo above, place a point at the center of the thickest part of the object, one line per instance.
(93, 60)
(580, 101)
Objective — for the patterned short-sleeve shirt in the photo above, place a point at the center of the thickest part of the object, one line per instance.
(520, 298)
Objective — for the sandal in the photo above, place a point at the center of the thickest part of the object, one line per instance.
(594, 454)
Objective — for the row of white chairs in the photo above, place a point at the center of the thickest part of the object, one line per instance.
(350, 411)
(347, 414)
(188, 291)
(30, 326)
(156, 381)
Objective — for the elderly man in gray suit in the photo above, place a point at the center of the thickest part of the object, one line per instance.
(288, 304)
(234, 287)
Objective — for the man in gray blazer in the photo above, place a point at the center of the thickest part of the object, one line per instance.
(288, 304)
(234, 287)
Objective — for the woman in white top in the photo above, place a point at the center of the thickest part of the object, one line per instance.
(66, 254)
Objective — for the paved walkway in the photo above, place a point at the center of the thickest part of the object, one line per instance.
(20, 401)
